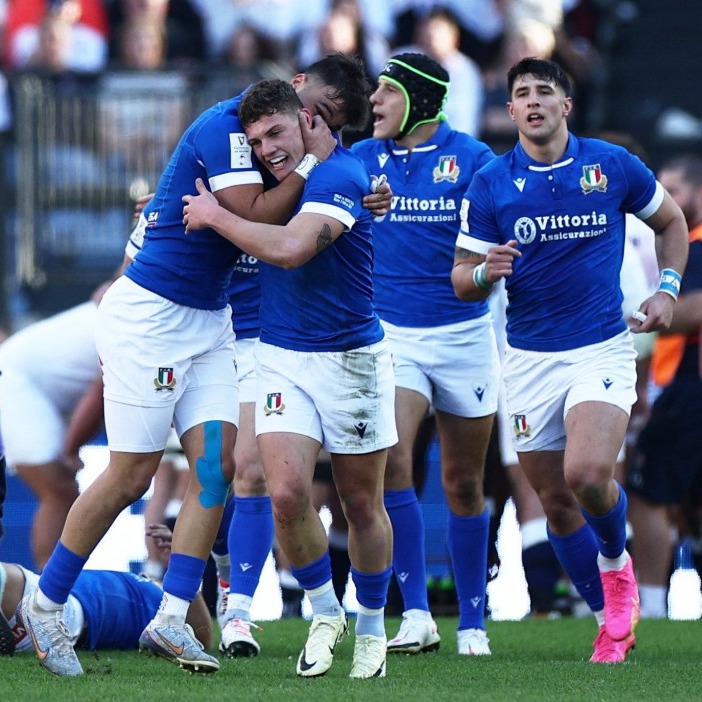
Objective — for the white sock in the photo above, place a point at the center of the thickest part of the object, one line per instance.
(172, 607)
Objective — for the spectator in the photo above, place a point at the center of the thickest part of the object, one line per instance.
(481, 23)
(343, 30)
(142, 109)
(247, 57)
(60, 34)
(438, 35)
(182, 23)
(526, 37)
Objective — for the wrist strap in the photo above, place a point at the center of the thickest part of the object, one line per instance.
(480, 277)
(670, 282)
(307, 165)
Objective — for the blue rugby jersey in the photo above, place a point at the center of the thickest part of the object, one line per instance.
(327, 303)
(195, 270)
(415, 242)
(117, 607)
(568, 219)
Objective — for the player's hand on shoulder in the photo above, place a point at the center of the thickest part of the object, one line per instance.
(198, 210)
(316, 135)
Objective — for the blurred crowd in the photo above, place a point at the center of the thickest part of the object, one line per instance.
(249, 39)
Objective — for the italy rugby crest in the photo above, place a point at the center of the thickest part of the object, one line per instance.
(165, 380)
(447, 169)
(593, 179)
(274, 403)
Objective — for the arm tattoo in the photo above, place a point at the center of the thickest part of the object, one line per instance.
(324, 238)
(463, 255)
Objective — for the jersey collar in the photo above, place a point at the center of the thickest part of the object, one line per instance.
(525, 161)
(438, 138)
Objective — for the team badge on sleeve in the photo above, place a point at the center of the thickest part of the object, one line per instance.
(447, 169)
(593, 179)
(165, 380)
(274, 403)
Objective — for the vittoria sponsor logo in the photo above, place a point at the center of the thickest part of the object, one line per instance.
(417, 209)
(559, 227)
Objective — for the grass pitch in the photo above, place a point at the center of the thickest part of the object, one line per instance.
(534, 659)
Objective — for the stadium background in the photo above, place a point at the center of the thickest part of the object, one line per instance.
(66, 214)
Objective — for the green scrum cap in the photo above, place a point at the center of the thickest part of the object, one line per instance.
(425, 85)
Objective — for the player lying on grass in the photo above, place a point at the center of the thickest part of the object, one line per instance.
(105, 610)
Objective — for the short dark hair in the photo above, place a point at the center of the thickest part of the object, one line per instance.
(346, 76)
(542, 69)
(268, 97)
(689, 164)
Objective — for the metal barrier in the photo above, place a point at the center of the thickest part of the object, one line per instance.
(84, 149)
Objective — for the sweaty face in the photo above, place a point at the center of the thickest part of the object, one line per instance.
(538, 107)
(277, 142)
(318, 99)
(389, 105)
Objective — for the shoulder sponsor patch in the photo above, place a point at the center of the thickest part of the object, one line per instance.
(239, 150)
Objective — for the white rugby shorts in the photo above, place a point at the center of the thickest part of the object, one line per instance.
(542, 387)
(46, 368)
(455, 366)
(345, 400)
(162, 363)
(246, 369)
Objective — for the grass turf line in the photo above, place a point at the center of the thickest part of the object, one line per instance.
(534, 659)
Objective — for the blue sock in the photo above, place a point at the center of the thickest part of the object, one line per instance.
(250, 542)
(60, 573)
(468, 546)
(372, 594)
(316, 580)
(408, 557)
(542, 571)
(577, 553)
(184, 576)
(221, 544)
(610, 528)
(314, 574)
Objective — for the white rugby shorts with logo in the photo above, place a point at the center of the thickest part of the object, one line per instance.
(455, 366)
(162, 363)
(345, 399)
(542, 387)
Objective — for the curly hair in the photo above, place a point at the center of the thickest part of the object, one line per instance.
(268, 97)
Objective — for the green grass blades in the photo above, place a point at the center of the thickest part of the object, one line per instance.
(535, 659)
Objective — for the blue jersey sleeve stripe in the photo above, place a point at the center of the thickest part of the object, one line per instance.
(653, 205)
(226, 180)
(470, 243)
(338, 213)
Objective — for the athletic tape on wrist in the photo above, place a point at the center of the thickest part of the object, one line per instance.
(670, 282)
(307, 165)
(480, 278)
